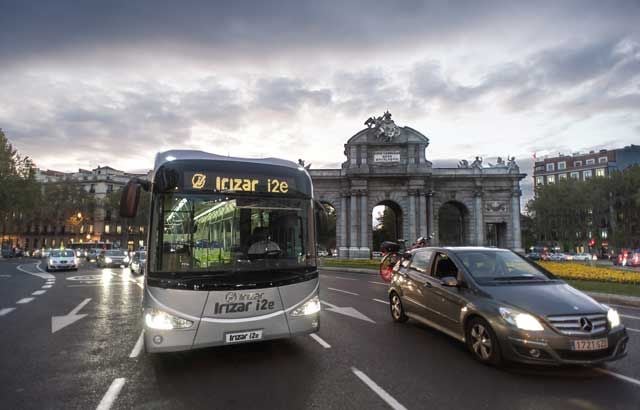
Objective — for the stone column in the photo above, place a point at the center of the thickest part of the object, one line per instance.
(515, 220)
(422, 215)
(430, 222)
(343, 250)
(479, 217)
(412, 216)
(364, 226)
(353, 228)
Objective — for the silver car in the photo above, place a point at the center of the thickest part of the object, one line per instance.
(504, 307)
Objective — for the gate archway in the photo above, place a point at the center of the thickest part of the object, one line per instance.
(452, 221)
(386, 223)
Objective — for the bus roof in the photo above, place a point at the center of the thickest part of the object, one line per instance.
(172, 155)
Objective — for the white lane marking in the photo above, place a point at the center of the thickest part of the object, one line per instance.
(328, 304)
(382, 301)
(631, 317)
(393, 403)
(320, 341)
(47, 286)
(25, 300)
(112, 394)
(378, 283)
(338, 277)
(633, 330)
(140, 285)
(6, 311)
(39, 292)
(619, 376)
(138, 347)
(42, 274)
(5, 276)
(60, 322)
(79, 307)
(343, 291)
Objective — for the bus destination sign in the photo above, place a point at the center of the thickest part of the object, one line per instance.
(202, 181)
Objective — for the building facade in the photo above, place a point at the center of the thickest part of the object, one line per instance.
(386, 164)
(98, 227)
(584, 166)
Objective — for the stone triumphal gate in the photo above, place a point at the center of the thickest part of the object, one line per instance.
(473, 204)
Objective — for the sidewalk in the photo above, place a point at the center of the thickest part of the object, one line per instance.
(600, 297)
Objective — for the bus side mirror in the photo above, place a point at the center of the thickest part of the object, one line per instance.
(129, 199)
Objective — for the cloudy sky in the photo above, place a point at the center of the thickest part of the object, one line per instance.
(111, 82)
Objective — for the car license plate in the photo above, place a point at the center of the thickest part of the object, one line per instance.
(592, 344)
(238, 337)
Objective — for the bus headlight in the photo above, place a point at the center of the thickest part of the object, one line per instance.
(309, 307)
(157, 319)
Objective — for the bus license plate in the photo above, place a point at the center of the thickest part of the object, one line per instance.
(594, 344)
(238, 337)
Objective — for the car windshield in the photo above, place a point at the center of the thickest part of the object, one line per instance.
(222, 234)
(115, 253)
(62, 254)
(497, 266)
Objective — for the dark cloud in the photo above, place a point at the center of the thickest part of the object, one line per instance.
(542, 78)
(32, 29)
(286, 95)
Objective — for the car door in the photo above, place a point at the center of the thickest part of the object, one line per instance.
(445, 301)
(415, 275)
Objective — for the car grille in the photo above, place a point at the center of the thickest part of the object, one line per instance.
(571, 324)
(587, 355)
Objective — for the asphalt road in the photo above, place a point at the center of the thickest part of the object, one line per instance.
(359, 359)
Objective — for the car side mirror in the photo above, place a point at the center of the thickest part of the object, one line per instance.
(449, 281)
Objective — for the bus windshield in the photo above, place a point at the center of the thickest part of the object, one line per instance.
(215, 234)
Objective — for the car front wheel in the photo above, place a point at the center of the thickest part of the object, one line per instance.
(483, 342)
(397, 310)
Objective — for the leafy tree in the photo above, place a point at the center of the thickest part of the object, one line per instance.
(327, 237)
(18, 187)
(386, 228)
(570, 213)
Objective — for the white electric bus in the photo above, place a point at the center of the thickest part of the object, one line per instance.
(232, 251)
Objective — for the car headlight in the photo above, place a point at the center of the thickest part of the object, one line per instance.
(157, 319)
(523, 321)
(613, 317)
(126, 259)
(309, 307)
(108, 259)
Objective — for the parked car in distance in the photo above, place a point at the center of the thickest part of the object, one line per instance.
(113, 257)
(138, 261)
(504, 307)
(92, 254)
(534, 256)
(582, 257)
(61, 259)
(323, 252)
(558, 257)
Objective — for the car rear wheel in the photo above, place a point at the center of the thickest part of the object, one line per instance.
(483, 342)
(397, 310)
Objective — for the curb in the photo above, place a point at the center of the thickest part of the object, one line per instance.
(615, 299)
(600, 297)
